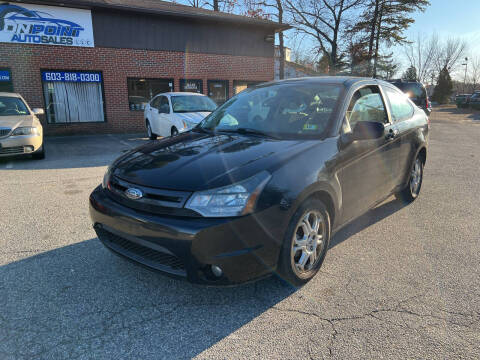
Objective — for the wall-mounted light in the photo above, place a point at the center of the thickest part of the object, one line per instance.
(270, 38)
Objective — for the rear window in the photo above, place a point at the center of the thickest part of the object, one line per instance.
(413, 90)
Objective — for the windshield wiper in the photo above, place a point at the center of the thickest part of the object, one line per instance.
(249, 131)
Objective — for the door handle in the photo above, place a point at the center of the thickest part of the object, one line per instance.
(392, 134)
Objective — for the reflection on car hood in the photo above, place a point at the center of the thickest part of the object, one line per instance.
(197, 161)
(194, 118)
(13, 122)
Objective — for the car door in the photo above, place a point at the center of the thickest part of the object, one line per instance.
(402, 111)
(367, 168)
(152, 114)
(164, 114)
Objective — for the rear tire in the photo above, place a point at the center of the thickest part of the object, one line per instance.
(39, 154)
(412, 190)
(305, 243)
(174, 131)
(150, 133)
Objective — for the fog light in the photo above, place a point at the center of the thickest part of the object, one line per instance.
(216, 270)
(28, 149)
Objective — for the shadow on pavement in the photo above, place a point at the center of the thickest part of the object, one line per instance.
(470, 113)
(68, 152)
(371, 217)
(83, 301)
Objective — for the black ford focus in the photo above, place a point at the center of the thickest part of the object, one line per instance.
(262, 184)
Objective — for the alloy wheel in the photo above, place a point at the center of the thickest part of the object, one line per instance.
(308, 242)
(416, 178)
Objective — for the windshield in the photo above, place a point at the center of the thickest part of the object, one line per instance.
(280, 110)
(12, 106)
(192, 103)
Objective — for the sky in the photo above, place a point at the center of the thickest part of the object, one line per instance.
(446, 18)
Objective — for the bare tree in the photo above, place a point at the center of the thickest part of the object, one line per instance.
(449, 53)
(422, 54)
(216, 5)
(474, 73)
(324, 21)
(274, 10)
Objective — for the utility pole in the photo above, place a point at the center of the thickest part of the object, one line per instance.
(465, 78)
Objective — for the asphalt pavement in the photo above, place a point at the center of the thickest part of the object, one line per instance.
(401, 282)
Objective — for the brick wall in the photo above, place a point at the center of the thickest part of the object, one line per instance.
(26, 61)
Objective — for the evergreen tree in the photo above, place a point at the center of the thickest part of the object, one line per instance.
(410, 74)
(444, 87)
(385, 20)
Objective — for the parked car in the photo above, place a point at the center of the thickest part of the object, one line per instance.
(474, 101)
(416, 92)
(172, 113)
(462, 100)
(20, 130)
(240, 197)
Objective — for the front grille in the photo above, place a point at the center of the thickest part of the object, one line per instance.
(153, 258)
(12, 150)
(4, 131)
(156, 201)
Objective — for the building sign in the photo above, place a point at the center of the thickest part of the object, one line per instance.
(64, 76)
(5, 76)
(47, 25)
(191, 85)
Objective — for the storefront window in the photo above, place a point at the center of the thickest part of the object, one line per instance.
(141, 91)
(187, 85)
(239, 85)
(218, 90)
(73, 96)
(6, 84)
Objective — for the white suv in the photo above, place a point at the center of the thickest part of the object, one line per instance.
(171, 113)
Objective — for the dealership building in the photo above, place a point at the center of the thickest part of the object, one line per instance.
(94, 64)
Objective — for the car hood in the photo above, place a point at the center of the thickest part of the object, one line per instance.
(13, 122)
(197, 161)
(194, 118)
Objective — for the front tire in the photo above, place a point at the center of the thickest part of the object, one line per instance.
(150, 133)
(412, 190)
(174, 131)
(306, 243)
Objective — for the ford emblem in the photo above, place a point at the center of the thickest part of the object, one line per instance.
(133, 193)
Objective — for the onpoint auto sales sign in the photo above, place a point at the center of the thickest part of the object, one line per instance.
(47, 25)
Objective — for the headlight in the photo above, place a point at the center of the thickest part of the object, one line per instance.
(233, 200)
(27, 130)
(106, 177)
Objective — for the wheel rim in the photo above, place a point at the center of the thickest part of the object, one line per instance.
(149, 130)
(308, 242)
(416, 178)
(174, 132)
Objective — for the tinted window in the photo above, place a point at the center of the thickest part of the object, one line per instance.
(141, 91)
(155, 102)
(401, 108)
(192, 103)
(283, 110)
(366, 105)
(163, 105)
(413, 90)
(12, 106)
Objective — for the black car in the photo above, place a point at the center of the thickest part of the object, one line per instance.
(416, 92)
(262, 184)
(474, 101)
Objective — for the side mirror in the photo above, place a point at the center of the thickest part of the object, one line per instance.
(38, 111)
(368, 130)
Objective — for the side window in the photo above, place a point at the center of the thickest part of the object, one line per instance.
(155, 102)
(400, 107)
(366, 105)
(164, 106)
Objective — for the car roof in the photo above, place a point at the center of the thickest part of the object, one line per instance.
(9, 94)
(347, 81)
(176, 93)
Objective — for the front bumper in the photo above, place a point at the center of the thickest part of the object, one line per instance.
(20, 145)
(187, 247)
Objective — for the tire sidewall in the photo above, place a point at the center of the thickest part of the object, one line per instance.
(285, 265)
